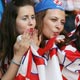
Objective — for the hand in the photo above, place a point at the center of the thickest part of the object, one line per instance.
(60, 38)
(35, 39)
(24, 41)
(21, 46)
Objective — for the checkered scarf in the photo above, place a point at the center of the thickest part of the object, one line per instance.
(35, 66)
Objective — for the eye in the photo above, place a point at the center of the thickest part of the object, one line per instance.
(54, 19)
(24, 18)
(62, 22)
(33, 17)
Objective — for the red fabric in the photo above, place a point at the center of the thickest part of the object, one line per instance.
(38, 60)
(19, 77)
(53, 52)
(79, 76)
(29, 65)
(72, 55)
(50, 43)
(32, 77)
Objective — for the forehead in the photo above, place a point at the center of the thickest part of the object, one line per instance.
(55, 12)
(26, 9)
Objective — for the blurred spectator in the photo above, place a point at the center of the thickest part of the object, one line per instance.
(71, 5)
(1, 9)
(70, 19)
(7, 1)
(36, 1)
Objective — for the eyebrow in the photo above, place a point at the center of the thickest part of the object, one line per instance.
(28, 15)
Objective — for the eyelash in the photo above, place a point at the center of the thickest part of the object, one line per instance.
(24, 18)
(56, 20)
(32, 17)
(53, 19)
(62, 23)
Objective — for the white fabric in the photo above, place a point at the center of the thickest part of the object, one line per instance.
(48, 71)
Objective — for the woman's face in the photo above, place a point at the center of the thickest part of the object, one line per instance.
(25, 19)
(53, 23)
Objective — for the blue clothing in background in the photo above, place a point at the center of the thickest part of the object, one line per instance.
(7, 1)
(1, 9)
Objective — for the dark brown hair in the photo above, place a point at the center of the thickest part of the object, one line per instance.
(39, 25)
(8, 26)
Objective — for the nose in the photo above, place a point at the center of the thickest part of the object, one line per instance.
(30, 23)
(59, 25)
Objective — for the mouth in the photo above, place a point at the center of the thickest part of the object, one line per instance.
(56, 34)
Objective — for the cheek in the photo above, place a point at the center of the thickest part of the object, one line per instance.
(34, 23)
(61, 28)
(20, 28)
(47, 28)
(46, 31)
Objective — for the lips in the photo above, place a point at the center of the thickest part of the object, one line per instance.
(30, 31)
(56, 33)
